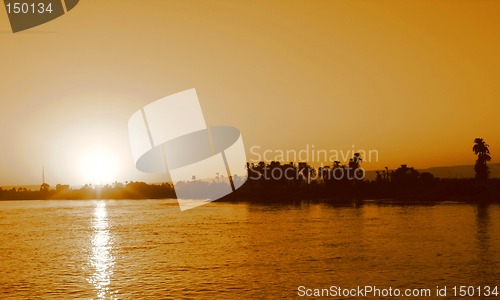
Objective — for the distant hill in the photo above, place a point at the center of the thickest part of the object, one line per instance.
(461, 171)
(450, 172)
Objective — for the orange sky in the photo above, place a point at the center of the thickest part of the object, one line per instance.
(415, 80)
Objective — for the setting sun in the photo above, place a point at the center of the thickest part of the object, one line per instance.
(98, 165)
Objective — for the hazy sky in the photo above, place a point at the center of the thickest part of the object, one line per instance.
(415, 80)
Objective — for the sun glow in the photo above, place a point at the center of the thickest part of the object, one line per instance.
(98, 165)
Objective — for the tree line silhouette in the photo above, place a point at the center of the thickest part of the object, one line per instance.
(296, 181)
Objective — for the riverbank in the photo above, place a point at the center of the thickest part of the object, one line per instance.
(461, 190)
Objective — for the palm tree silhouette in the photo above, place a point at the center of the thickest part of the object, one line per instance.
(481, 149)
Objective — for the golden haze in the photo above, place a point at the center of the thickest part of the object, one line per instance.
(416, 80)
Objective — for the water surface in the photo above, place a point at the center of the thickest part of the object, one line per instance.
(129, 249)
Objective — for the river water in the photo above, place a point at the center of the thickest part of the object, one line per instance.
(137, 249)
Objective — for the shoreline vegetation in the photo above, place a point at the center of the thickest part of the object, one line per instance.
(277, 182)
(307, 183)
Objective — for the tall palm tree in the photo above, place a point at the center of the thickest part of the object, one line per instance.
(481, 149)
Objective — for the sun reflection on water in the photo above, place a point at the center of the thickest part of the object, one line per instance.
(102, 259)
